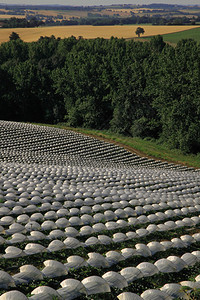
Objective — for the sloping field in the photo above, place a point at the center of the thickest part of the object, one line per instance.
(84, 219)
(87, 31)
(40, 144)
(177, 36)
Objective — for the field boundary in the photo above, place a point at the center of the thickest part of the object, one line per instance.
(143, 148)
(133, 150)
(89, 31)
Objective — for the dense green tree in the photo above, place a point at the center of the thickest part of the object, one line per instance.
(14, 36)
(157, 43)
(84, 84)
(178, 101)
(139, 31)
(13, 51)
(43, 50)
(128, 99)
(8, 101)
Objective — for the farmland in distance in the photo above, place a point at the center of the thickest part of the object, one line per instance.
(89, 32)
(117, 11)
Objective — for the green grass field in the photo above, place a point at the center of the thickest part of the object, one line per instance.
(174, 38)
(143, 147)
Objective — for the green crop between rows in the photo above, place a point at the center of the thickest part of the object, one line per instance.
(13, 265)
(138, 286)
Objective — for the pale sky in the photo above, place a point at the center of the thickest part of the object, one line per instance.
(99, 2)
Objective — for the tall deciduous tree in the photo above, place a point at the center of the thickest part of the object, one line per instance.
(14, 36)
(139, 31)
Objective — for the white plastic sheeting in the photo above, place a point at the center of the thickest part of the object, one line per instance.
(95, 285)
(115, 279)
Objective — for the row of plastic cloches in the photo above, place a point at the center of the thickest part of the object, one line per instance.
(71, 288)
(31, 143)
(61, 230)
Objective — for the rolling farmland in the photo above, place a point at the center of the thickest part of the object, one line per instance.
(85, 219)
(88, 32)
(118, 11)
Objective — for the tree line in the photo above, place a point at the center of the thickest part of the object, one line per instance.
(148, 89)
(98, 21)
(21, 23)
(134, 19)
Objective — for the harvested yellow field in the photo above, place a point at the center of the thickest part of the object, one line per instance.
(88, 32)
(5, 14)
(12, 16)
(132, 9)
(65, 14)
(191, 11)
(145, 8)
(122, 12)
